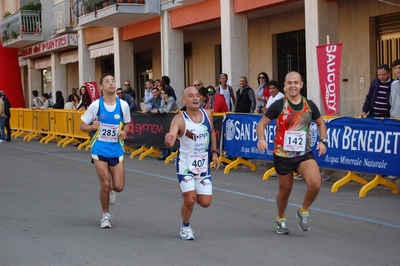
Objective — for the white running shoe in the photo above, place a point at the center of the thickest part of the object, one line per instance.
(112, 198)
(298, 177)
(105, 221)
(187, 233)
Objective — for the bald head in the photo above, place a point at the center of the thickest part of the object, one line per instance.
(293, 74)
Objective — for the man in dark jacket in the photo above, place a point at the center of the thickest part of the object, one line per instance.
(7, 106)
(377, 100)
(246, 101)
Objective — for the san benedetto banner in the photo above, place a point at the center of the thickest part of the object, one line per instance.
(366, 145)
(329, 58)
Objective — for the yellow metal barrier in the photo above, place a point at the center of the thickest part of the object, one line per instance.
(367, 186)
(14, 121)
(41, 124)
(58, 126)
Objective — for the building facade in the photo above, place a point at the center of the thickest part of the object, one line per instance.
(78, 40)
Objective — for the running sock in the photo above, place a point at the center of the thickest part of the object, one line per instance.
(280, 218)
(303, 210)
(106, 214)
(185, 224)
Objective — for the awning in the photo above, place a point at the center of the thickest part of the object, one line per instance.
(101, 49)
(69, 57)
(22, 62)
(43, 63)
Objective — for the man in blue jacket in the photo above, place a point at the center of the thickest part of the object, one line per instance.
(377, 100)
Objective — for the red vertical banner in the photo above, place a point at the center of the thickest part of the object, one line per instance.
(92, 89)
(329, 59)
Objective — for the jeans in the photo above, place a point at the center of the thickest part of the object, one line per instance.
(2, 135)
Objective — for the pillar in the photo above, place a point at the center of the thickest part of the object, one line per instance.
(321, 20)
(172, 55)
(234, 43)
(59, 76)
(123, 61)
(86, 65)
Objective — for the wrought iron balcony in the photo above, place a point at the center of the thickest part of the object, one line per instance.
(114, 13)
(21, 29)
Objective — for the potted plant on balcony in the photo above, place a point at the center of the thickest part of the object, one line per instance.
(88, 6)
(14, 34)
(7, 14)
(5, 36)
(31, 6)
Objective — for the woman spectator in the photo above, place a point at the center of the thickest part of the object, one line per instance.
(59, 101)
(262, 93)
(85, 100)
(168, 103)
(47, 103)
(71, 105)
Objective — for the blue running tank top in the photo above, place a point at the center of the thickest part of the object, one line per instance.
(106, 141)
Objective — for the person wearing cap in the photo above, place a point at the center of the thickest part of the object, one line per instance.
(216, 101)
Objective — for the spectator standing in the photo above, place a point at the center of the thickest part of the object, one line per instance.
(194, 176)
(59, 104)
(85, 99)
(203, 97)
(108, 148)
(148, 96)
(129, 99)
(167, 81)
(47, 103)
(262, 93)
(168, 104)
(275, 91)
(198, 84)
(129, 90)
(377, 100)
(73, 92)
(36, 101)
(216, 102)
(246, 101)
(394, 99)
(73, 103)
(226, 91)
(156, 102)
(7, 113)
(2, 119)
(293, 115)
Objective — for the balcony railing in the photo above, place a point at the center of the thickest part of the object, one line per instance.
(24, 25)
(83, 7)
(63, 17)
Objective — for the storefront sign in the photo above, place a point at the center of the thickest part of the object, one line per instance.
(329, 58)
(50, 45)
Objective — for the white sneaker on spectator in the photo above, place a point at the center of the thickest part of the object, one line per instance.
(112, 198)
(393, 177)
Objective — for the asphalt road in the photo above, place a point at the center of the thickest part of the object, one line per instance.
(50, 215)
